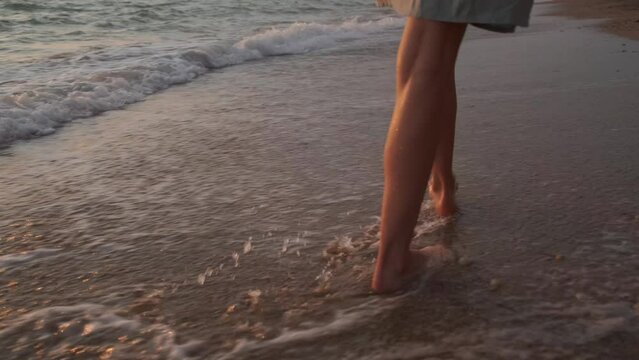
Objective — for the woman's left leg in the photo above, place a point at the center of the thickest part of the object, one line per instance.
(425, 76)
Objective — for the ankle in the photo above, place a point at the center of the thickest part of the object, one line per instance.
(443, 182)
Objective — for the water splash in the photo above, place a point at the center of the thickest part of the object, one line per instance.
(236, 259)
(248, 245)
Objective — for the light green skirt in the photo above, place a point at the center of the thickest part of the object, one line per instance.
(495, 15)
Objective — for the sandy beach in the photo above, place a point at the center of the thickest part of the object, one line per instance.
(235, 217)
(620, 17)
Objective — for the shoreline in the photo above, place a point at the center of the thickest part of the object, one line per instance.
(621, 17)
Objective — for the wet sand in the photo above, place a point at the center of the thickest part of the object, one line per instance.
(204, 223)
(620, 17)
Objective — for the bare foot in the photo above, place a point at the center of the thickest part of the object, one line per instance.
(443, 195)
(396, 276)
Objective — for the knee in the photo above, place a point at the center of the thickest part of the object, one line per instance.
(428, 74)
(433, 70)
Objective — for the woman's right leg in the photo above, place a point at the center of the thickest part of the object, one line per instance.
(442, 181)
(425, 75)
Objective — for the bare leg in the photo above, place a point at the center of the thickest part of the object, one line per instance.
(425, 75)
(442, 185)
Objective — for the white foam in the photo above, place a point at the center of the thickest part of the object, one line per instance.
(29, 111)
(64, 328)
(11, 260)
(343, 321)
(305, 37)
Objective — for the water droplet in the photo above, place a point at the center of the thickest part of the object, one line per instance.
(88, 329)
(201, 278)
(106, 354)
(236, 258)
(285, 245)
(254, 298)
(248, 246)
(63, 327)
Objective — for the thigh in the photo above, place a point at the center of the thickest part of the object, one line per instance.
(429, 45)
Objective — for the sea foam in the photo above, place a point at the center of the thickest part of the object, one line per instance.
(91, 330)
(37, 108)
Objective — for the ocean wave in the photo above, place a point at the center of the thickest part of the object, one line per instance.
(39, 111)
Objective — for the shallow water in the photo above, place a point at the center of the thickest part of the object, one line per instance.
(235, 217)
